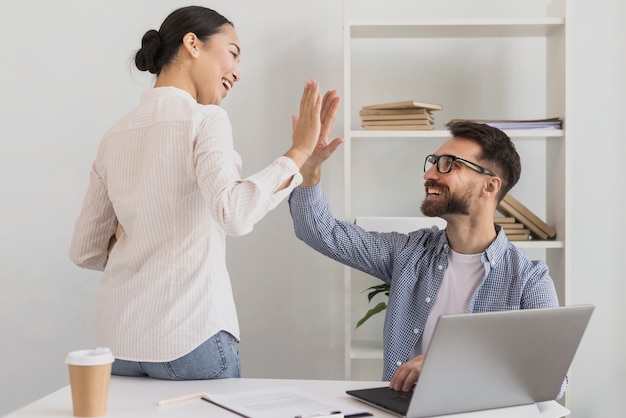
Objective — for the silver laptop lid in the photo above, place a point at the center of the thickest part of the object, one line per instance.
(497, 359)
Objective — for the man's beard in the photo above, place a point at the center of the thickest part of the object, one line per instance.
(451, 204)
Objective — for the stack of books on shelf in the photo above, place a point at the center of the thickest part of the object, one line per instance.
(538, 229)
(504, 124)
(411, 115)
(514, 230)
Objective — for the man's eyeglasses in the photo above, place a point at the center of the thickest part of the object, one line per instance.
(445, 162)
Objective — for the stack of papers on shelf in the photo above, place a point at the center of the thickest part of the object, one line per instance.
(504, 124)
(411, 115)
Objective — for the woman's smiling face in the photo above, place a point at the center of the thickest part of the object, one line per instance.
(216, 69)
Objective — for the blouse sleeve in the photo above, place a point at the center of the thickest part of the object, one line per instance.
(237, 203)
(94, 226)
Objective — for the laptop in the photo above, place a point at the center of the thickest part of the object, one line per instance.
(490, 360)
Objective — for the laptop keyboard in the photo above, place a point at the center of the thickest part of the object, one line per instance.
(401, 397)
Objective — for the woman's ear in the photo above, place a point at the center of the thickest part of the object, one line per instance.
(191, 43)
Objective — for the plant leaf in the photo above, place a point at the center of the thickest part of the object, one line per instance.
(374, 290)
(381, 306)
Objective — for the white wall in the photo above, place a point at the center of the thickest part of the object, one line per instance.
(65, 77)
(599, 85)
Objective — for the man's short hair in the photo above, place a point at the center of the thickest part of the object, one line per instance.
(497, 148)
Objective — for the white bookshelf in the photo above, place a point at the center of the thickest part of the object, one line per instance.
(548, 147)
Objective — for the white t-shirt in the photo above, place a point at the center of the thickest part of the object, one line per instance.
(169, 173)
(463, 274)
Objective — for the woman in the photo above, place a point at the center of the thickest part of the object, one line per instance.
(168, 175)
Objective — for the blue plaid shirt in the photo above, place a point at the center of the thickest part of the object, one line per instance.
(414, 264)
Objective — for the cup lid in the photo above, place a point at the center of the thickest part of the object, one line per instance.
(90, 357)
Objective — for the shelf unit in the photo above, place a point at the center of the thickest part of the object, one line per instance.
(554, 165)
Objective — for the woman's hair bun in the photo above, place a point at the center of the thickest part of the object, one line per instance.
(148, 57)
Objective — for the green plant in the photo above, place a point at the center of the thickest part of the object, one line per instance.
(380, 306)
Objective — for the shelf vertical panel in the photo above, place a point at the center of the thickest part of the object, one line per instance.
(558, 153)
(558, 101)
(347, 178)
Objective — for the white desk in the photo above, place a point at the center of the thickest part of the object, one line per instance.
(138, 397)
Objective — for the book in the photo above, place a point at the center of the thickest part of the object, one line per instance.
(519, 231)
(384, 112)
(396, 122)
(407, 104)
(550, 232)
(518, 237)
(407, 116)
(514, 226)
(514, 230)
(504, 220)
(399, 127)
(505, 208)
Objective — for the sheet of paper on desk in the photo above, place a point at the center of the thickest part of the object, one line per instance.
(286, 402)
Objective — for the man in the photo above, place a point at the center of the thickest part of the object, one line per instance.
(470, 266)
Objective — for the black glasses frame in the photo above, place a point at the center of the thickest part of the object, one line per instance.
(435, 159)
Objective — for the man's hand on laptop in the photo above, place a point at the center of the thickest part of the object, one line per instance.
(406, 375)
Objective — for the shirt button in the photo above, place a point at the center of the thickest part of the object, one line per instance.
(427, 300)
(439, 266)
(416, 330)
(398, 363)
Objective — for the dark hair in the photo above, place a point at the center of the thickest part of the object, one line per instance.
(159, 48)
(497, 148)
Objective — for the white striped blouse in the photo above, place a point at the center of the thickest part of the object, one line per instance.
(168, 173)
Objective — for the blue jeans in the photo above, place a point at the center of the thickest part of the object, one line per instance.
(216, 358)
